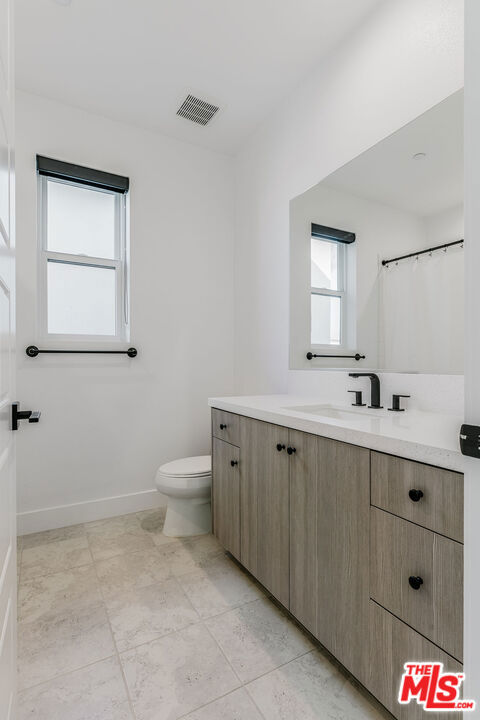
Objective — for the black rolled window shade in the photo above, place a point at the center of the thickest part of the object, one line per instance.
(328, 233)
(80, 174)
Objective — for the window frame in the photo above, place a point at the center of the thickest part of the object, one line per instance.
(119, 265)
(342, 259)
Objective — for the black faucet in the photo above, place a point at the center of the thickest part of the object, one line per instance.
(375, 388)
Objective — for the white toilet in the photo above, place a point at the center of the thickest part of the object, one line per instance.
(187, 484)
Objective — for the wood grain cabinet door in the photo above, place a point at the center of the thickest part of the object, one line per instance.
(392, 645)
(303, 528)
(343, 507)
(402, 552)
(264, 499)
(426, 495)
(226, 495)
(226, 426)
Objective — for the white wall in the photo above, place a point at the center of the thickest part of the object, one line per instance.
(108, 422)
(407, 57)
(446, 226)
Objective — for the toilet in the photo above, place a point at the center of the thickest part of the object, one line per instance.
(187, 485)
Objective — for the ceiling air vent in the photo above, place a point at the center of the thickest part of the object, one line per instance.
(196, 110)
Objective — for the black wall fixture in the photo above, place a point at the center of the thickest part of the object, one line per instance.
(357, 356)
(32, 351)
(33, 416)
(470, 440)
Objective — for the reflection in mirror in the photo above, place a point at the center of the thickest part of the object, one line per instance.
(376, 261)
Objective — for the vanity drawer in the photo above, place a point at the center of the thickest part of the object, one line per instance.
(226, 426)
(400, 550)
(440, 508)
(392, 645)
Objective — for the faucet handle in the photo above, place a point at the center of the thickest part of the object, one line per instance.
(396, 403)
(358, 398)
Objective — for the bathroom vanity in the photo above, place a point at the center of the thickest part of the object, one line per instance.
(352, 517)
(354, 524)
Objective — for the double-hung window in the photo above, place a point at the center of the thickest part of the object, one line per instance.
(83, 252)
(329, 285)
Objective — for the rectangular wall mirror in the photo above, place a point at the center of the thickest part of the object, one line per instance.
(376, 255)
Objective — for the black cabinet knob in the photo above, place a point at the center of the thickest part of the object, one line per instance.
(222, 426)
(280, 447)
(415, 495)
(233, 463)
(415, 582)
(291, 450)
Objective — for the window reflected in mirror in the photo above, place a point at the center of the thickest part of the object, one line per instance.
(391, 286)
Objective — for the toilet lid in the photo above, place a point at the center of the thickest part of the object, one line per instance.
(188, 467)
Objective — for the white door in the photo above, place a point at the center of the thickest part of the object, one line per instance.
(8, 573)
(472, 353)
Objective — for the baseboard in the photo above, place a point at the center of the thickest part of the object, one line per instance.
(63, 515)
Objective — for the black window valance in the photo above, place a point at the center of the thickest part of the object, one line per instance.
(328, 233)
(80, 174)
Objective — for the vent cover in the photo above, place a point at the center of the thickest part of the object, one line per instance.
(196, 110)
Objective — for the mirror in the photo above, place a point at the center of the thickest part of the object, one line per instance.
(376, 255)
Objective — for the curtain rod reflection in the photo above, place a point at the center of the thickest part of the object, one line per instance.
(423, 252)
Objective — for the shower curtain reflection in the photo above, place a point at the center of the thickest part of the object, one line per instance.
(421, 313)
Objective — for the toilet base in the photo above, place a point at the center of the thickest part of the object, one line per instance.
(187, 516)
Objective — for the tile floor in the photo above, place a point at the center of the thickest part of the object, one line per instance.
(118, 622)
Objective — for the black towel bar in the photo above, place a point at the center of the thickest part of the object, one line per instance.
(357, 356)
(32, 351)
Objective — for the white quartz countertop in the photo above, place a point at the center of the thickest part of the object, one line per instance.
(423, 436)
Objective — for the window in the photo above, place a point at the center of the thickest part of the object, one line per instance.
(83, 252)
(328, 282)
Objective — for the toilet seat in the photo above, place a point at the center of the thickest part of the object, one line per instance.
(191, 467)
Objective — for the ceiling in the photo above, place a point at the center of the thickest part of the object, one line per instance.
(387, 173)
(135, 60)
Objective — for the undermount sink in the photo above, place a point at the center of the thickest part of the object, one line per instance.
(338, 412)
